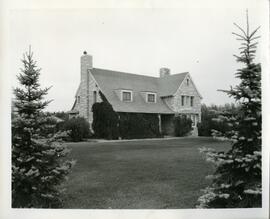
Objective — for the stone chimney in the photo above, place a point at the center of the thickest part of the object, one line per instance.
(86, 63)
(163, 72)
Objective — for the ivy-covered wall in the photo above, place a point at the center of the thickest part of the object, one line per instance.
(138, 125)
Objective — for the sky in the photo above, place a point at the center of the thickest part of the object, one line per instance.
(197, 40)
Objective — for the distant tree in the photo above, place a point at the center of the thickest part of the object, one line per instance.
(236, 182)
(105, 119)
(61, 115)
(207, 124)
(38, 167)
(210, 121)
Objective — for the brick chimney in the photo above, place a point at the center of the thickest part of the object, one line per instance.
(163, 72)
(86, 63)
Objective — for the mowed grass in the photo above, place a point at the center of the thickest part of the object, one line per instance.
(151, 174)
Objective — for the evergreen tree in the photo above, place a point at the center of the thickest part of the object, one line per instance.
(236, 182)
(38, 165)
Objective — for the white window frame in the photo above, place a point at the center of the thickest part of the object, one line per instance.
(155, 98)
(131, 95)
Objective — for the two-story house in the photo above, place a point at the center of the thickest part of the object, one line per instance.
(165, 96)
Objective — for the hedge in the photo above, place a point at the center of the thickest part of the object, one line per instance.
(182, 125)
(134, 125)
(105, 120)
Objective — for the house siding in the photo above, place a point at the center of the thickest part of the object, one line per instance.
(86, 93)
(175, 102)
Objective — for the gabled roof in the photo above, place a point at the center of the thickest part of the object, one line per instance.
(112, 81)
(168, 85)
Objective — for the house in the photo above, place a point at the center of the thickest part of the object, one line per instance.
(165, 96)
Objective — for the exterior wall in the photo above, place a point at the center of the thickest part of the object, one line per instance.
(175, 102)
(93, 87)
(85, 93)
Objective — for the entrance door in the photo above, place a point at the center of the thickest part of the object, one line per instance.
(194, 118)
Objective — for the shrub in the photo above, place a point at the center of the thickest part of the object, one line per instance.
(133, 125)
(78, 128)
(182, 125)
(105, 120)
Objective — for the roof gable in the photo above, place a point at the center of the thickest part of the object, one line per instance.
(192, 84)
(168, 85)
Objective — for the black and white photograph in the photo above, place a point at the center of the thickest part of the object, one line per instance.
(137, 110)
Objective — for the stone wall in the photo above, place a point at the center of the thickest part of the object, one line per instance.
(175, 102)
(85, 94)
(92, 87)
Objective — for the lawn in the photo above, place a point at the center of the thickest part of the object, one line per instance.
(151, 174)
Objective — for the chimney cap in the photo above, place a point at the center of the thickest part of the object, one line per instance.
(84, 52)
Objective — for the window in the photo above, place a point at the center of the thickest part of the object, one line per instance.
(191, 101)
(182, 100)
(94, 96)
(126, 96)
(187, 81)
(78, 99)
(151, 98)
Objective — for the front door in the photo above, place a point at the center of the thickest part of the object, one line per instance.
(194, 119)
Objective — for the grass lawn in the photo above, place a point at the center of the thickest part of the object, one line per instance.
(150, 174)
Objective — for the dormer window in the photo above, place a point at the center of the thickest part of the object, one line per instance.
(126, 96)
(151, 97)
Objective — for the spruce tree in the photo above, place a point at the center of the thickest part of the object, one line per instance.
(38, 164)
(236, 183)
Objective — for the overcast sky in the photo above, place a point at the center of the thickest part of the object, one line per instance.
(197, 40)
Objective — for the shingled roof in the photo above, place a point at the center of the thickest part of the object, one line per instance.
(111, 81)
